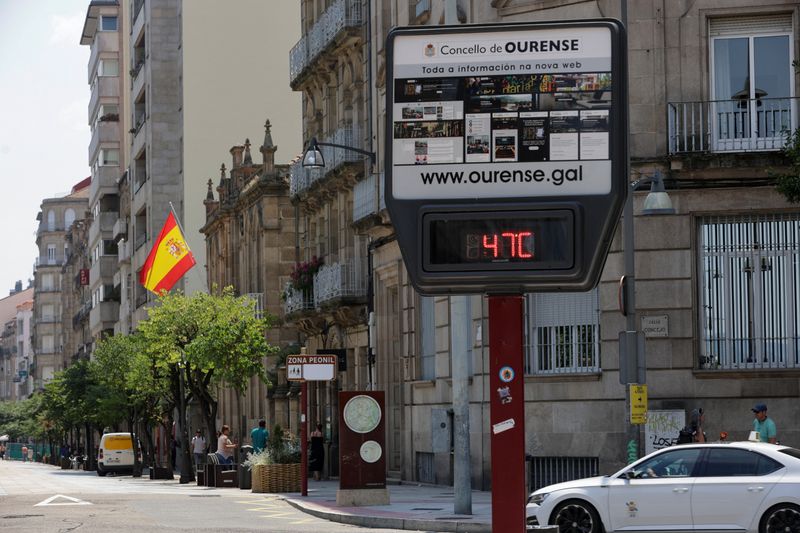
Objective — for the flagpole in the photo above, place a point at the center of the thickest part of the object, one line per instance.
(203, 282)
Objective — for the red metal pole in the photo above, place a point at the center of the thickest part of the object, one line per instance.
(506, 388)
(304, 437)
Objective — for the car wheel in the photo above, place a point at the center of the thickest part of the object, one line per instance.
(101, 472)
(783, 518)
(576, 516)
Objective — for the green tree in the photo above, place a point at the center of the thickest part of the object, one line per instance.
(218, 340)
(788, 183)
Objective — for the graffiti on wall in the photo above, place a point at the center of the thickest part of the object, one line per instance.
(662, 429)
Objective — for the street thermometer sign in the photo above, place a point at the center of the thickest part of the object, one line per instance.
(506, 153)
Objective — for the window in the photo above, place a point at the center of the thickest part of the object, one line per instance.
(69, 218)
(733, 462)
(427, 326)
(751, 81)
(110, 247)
(749, 288)
(108, 23)
(51, 254)
(47, 282)
(108, 157)
(107, 113)
(108, 67)
(47, 344)
(563, 333)
(51, 220)
(674, 463)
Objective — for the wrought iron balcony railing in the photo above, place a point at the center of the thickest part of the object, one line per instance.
(346, 279)
(301, 178)
(296, 301)
(739, 125)
(341, 15)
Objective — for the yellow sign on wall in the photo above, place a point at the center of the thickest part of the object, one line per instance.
(638, 403)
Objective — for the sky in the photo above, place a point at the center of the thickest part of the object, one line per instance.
(44, 132)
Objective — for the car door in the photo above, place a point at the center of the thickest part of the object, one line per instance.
(730, 487)
(655, 495)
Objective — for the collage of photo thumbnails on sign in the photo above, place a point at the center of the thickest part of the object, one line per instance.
(526, 118)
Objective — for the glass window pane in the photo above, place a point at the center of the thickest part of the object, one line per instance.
(772, 69)
(731, 68)
(109, 23)
(109, 67)
(730, 462)
(674, 463)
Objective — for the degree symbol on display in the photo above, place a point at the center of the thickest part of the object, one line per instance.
(506, 374)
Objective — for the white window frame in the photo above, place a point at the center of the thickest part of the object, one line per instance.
(104, 69)
(749, 291)
(573, 317)
(104, 160)
(754, 141)
(103, 18)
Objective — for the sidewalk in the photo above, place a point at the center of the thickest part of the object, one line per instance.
(413, 507)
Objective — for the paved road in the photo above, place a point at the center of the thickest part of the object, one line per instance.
(43, 499)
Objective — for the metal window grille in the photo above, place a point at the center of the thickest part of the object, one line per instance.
(563, 333)
(425, 470)
(749, 289)
(546, 471)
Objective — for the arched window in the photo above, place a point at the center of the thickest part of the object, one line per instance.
(51, 220)
(69, 218)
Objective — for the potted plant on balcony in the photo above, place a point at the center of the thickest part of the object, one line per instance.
(277, 467)
(302, 276)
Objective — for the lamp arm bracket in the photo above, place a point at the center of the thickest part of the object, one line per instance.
(371, 155)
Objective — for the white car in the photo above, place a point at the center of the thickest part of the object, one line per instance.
(736, 486)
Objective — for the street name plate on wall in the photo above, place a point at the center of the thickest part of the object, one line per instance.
(655, 326)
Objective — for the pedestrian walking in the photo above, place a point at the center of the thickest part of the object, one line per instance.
(198, 448)
(225, 447)
(259, 436)
(2, 452)
(24, 454)
(765, 426)
(317, 453)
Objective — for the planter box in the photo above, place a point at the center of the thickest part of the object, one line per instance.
(277, 478)
(160, 472)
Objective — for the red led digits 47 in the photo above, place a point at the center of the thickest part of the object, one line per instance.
(507, 245)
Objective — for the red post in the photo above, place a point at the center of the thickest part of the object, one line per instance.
(304, 438)
(506, 390)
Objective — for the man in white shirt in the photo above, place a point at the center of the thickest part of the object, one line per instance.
(198, 448)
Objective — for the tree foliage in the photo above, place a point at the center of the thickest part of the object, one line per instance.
(788, 183)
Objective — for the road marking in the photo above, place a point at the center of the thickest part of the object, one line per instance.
(72, 501)
(305, 521)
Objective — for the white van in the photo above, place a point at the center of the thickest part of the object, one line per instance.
(115, 454)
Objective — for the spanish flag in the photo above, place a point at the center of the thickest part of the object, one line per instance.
(169, 259)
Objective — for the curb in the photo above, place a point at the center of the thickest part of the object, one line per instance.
(381, 522)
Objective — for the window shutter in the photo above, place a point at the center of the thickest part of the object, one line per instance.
(747, 25)
(564, 309)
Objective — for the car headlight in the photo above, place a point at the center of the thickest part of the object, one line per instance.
(538, 498)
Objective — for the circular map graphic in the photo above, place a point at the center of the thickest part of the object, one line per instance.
(370, 451)
(362, 413)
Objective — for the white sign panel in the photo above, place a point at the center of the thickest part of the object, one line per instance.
(662, 428)
(655, 326)
(502, 114)
(311, 367)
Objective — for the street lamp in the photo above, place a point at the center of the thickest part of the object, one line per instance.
(632, 369)
(313, 158)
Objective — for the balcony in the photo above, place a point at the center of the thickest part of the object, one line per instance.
(336, 22)
(120, 229)
(139, 134)
(103, 316)
(296, 301)
(105, 86)
(720, 126)
(48, 261)
(102, 270)
(301, 179)
(102, 226)
(80, 317)
(105, 131)
(138, 20)
(123, 251)
(368, 197)
(341, 281)
(47, 319)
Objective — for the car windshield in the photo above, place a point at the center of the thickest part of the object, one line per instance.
(674, 463)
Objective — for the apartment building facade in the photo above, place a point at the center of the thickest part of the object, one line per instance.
(15, 347)
(56, 217)
(716, 274)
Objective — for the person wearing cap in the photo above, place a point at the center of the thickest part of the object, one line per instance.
(767, 432)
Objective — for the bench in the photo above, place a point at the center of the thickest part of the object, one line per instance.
(217, 475)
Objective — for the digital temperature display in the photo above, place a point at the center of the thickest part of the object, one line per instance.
(512, 240)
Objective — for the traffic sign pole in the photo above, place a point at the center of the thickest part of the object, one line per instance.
(304, 437)
(507, 415)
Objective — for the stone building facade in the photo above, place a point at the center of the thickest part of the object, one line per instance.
(250, 245)
(716, 274)
(15, 346)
